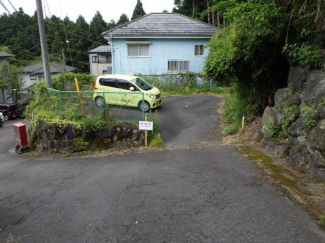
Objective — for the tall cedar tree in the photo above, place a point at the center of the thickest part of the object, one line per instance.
(80, 44)
(97, 26)
(123, 20)
(138, 11)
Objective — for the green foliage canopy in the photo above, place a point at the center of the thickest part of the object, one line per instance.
(138, 11)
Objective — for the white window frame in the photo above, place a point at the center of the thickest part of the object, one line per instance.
(32, 77)
(138, 43)
(199, 50)
(178, 71)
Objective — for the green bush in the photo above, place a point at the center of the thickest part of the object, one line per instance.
(271, 129)
(65, 81)
(183, 83)
(234, 109)
(288, 117)
(304, 55)
(310, 122)
(307, 113)
(231, 129)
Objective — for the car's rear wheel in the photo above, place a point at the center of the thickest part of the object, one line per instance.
(6, 118)
(99, 101)
(144, 106)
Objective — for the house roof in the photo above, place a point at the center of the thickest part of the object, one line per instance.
(4, 54)
(163, 24)
(101, 49)
(37, 68)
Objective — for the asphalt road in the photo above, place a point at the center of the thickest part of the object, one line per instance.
(208, 194)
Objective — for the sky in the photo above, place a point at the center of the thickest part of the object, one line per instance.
(109, 9)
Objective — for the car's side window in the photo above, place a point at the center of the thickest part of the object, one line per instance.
(123, 84)
(107, 82)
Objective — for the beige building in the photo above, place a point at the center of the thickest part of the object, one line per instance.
(100, 60)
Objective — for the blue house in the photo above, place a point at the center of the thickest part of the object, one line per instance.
(159, 43)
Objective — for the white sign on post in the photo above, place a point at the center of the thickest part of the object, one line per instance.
(146, 125)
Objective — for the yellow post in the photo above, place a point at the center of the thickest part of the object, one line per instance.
(146, 134)
(79, 96)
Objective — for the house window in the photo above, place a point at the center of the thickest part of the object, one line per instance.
(199, 50)
(138, 50)
(32, 77)
(94, 59)
(104, 71)
(178, 66)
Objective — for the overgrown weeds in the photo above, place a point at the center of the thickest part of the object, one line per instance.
(155, 139)
(233, 110)
(183, 84)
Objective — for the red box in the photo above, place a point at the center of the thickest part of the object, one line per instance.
(20, 134)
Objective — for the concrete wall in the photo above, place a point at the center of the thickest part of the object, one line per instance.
(161, 50)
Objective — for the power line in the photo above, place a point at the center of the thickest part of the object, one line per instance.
(14, 17)
(48, 8)
(22, 52)
(4, 6)
(76, 34)
(65, 33)
(72, 59)
(12, 6)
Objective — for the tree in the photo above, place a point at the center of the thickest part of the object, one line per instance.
(138, 11)
(10, 78)
(123, 20)
(191, 8)
(55, 34)
(97, 26)
(80, 44)
(111, 24)
(249, 52)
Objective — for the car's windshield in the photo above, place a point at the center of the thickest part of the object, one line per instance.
(142, 84)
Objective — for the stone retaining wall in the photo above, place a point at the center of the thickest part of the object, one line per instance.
(295, 127)
(68, 138)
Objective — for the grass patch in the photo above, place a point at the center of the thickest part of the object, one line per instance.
(198, 90)
(321, 219)
(156, 141)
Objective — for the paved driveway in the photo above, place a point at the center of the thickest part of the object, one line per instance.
(207, 194)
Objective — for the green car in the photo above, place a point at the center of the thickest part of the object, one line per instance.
(126, 90)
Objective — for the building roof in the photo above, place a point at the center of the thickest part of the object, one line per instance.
(4, 54)
(163, 24)
(37, 68)
(101, 49)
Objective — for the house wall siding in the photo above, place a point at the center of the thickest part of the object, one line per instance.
(97, 69)
(161, 50)
(26, 81)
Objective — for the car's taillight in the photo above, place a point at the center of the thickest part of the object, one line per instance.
(9, 112)
(95, 85)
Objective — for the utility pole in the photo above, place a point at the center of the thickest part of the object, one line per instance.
(45, 56)
(63, 60)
